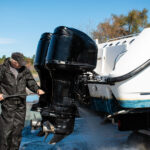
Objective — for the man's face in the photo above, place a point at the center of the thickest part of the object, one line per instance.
(15, 64)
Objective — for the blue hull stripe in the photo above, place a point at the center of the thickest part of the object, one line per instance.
(134, 103)
(103, 105)
(110, 106)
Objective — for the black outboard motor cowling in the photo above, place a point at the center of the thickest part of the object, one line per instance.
(39, 64)
(42, 49)
(70, 53)
(71, 49)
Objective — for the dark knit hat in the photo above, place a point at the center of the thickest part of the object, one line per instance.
(19, 57)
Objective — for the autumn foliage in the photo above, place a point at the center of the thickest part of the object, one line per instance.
(121, 25)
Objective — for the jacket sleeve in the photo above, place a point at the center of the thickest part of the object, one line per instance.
(30, 82)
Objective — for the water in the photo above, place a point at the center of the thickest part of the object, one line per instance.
(31, 114)
(32, 98)
(90, 133)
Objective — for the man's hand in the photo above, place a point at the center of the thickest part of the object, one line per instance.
(1, 97)
(40, 92)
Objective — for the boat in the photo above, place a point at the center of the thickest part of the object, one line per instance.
(110, 78)
(120, 86)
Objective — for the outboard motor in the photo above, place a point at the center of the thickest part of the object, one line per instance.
(45, 79)
(70, 54)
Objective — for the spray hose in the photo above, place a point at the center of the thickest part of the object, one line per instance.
(17, 95)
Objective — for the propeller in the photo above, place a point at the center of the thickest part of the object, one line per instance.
(48, 128)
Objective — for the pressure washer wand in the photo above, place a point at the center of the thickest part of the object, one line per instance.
(17, 95)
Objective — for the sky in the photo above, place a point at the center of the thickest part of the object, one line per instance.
(23, 21)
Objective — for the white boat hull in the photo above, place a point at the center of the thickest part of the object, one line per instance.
(133, 92)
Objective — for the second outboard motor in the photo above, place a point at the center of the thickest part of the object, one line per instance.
(71, 53)
(45, 79)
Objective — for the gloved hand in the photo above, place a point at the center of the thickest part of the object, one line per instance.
(1, 97)
(40, 92)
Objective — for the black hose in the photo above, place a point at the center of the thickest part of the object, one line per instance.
(112, 80)
(17, 95)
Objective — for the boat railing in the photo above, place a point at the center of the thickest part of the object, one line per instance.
(122, 37)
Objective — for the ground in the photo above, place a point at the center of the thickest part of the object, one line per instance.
(89, 134)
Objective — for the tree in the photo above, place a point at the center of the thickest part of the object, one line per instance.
(121, 25)
(137, 20)
(32, 59)
(4, 57)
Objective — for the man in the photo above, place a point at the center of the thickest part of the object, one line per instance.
(14, 78)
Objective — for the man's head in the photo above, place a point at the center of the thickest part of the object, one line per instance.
(17, 60)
